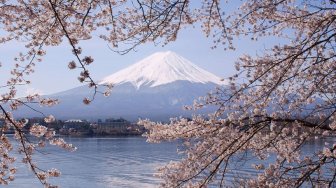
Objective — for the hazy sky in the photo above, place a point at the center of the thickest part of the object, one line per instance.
(52, 75)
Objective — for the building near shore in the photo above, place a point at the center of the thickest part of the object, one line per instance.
(119, 126)
(76, 127)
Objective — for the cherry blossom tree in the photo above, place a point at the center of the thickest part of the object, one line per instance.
(287, 95)
(286, 98)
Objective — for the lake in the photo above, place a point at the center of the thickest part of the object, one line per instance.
(102, 162)
(110, 162)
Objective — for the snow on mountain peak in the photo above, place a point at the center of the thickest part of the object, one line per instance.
(161, 68)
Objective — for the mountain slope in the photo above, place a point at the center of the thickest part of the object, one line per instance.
(161, 68)
(156, 87)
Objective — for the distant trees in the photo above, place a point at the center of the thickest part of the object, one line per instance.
(287, 94)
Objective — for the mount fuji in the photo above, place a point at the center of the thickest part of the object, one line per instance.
(159, 69)
(156, 87)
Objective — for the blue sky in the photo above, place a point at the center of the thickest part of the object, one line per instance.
(52, 75)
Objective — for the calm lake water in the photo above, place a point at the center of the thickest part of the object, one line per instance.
(102, 162)
(111, 162)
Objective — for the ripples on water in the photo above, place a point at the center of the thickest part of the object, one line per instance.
(102, 162)
(115, 162)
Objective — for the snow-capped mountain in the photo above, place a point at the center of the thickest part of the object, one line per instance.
(156, 87)
(159, 69)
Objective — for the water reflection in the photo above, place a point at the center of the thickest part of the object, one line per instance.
(102, 162)
(118, 162)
